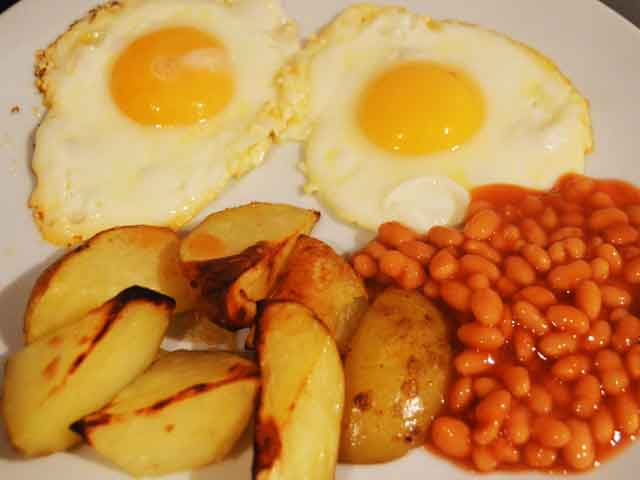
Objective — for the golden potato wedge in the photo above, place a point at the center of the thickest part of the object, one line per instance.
(77, 369)
(302, 395)
(396, 374)
(106, 264)
(234, 257)
(187, 410)
(318, 278)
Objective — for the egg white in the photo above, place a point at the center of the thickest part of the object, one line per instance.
(536, 127)
(97, 168)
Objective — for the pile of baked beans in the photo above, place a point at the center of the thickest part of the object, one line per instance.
(542, 287)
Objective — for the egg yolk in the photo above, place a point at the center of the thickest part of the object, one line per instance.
(174, 76)
(419, 108)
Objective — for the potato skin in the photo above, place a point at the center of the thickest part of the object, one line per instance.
(396, 374)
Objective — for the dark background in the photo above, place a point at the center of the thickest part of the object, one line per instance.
(627, 8)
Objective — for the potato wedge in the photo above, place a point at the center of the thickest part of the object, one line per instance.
(77, 369)
(302, 395)
(93, 273)
(187, 410)
(234, 257)
(318, 278)
(396, 374)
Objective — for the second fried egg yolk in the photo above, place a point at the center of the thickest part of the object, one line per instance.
(418, 108)
(171, 77)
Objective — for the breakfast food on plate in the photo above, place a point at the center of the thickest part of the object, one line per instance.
(318, 278)
(187, 410)
(301, 399)
(234, 257)
(396, 375)
(401, 115)
(544, 288)
(78, 368)
(153, 106)
(109, 262)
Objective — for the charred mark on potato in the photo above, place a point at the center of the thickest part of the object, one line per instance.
(169, 428)
(362, 401)
(51, 368)
(268, 445)
(55, 341)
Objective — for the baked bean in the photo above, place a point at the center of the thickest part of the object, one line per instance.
(412, 276)
(537, 257)
(494, 407)
(602, 426)
(472, 363)
(431, 289)
(451, 436)
(610, 253)
(539, 296)
(598, 336)
(627, 333)
(613, 296)
(568, 319)
(374, 249)
(393, 234)
(482, 225)
(557, 344)
(506, 287)
(621, 234)
(392, 263)
(572, 219)
(483, 386)
(537, 456)
(618, 314)
(471, 263)
(478, 281)
(445, 236)
(605, 217)
(383, 279)
(607, 359)
(550, 432)
(523, 345)
(593, 243)
(483, 459)
(418, 250)
(567, 277)
(540, 401)
(579, 453)
(632, 362)
(516, 426)
(564, 233)
(625, 413)
(615, 381)
(477, 205)
(483, 249)
(576, 188)
(533, 232)
(505, 452)
(599, 269)
(588, 386)
(532, 205)
(456, 294)
(600, 200)
(584, 407)
(633, 212)
(529, 317)
(589, 299)
(559, 391)
(575, 247)
(487, 306)
(557, 253)
(630, 252)
(476, 335)
(443, 265)
(570, 367)
(511, 233)
(549, 218)
(518, 270)
(364, 265)
(486, 433)
(507, 324)
(499, 242)
(517, 381)
(461, 394)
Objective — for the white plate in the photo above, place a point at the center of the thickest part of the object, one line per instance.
(594, 46)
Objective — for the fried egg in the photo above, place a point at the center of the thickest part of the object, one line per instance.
(402, 116)
(153, 105)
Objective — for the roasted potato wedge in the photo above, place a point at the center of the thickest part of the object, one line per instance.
(187, 410)
(77, 369)
(106, 264)
(302, 395)
(396, 374)
(318, 278)
(234, 257)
